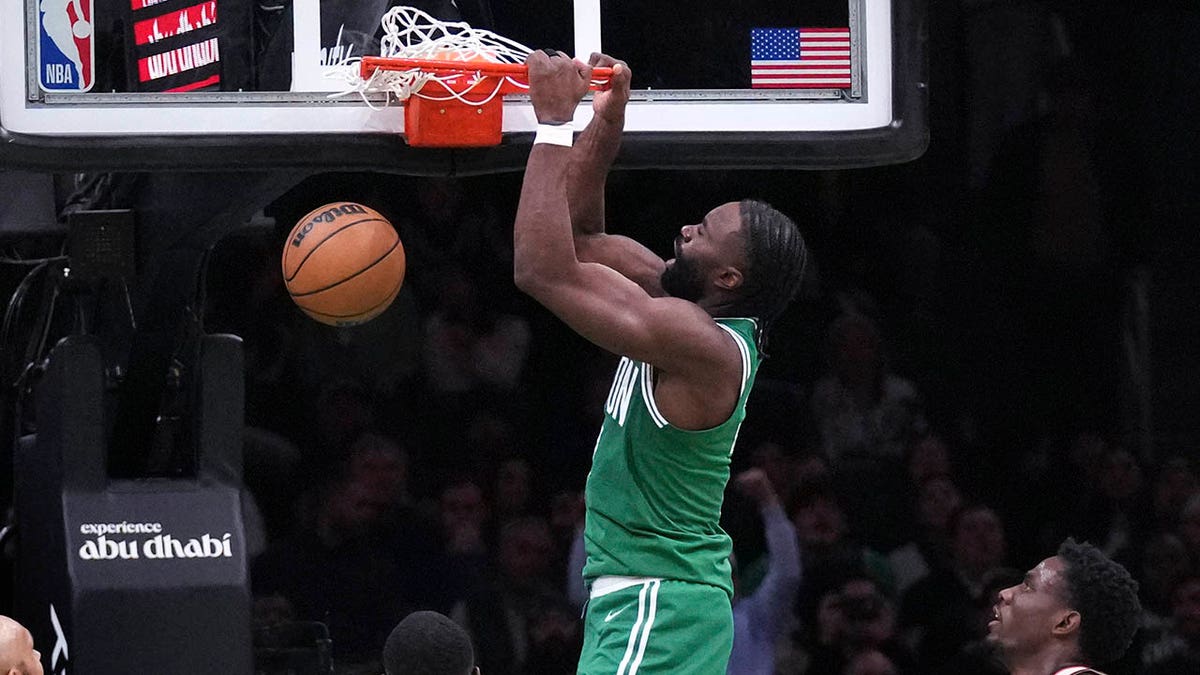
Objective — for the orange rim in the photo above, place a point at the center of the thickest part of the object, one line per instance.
(519, 71)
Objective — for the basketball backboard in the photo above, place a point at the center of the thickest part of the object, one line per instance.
(193, 84)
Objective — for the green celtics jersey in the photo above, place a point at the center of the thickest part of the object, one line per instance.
(654, 492)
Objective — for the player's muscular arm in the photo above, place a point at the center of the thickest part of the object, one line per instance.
(600, 304)
(591, 158)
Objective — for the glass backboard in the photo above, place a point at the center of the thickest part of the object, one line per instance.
(192, 84)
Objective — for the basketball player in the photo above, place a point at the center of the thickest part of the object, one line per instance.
(689, 329)
(428, 643)
(17, 655)
(1072, 611)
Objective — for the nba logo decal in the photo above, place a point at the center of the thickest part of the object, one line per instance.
(66, 51)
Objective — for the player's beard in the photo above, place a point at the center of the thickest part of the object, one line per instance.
(683, 279)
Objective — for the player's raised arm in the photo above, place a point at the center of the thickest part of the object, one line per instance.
(597, 302)
(591, 159)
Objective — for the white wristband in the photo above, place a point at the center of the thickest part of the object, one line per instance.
(555, 134)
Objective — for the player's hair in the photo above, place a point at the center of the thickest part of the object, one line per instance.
(428, 643)
(775, 258)
(1106, 597)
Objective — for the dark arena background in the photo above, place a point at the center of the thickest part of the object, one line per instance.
(995, 348)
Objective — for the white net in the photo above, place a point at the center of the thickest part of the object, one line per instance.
(411, 33)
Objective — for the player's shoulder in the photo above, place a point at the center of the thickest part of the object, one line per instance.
(1077, 670)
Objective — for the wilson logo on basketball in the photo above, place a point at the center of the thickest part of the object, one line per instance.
(327, 216)
(343, 263)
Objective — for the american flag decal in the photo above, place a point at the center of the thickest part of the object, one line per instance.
(800, 58)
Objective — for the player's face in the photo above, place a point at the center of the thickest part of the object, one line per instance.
(703, 251)
(1026, 616)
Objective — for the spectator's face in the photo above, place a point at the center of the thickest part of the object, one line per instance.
(566, 511)
(979, 540)
(811, 469)
(352, 507)
(831, 624)
(512, 486)
(820, 523)
(857, 349)
(938, 500)
(770, 458)
(462, 505)
(525, 552)
(1029, 613)
(866, 614)
(383, 472)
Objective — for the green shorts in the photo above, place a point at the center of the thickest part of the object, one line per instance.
(656, 626)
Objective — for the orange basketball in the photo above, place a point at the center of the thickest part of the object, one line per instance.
(343, 263)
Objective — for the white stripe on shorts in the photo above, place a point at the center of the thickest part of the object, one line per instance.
(646, 629)
(633, 634)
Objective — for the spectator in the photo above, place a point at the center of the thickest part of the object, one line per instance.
(428, 643)
(333, 569)
(555, 638)
(344, 410)
(927, 456)
(469, 345)
(566, 525)
(759, 618)
(978, 656)
(1174, 484)
(17, 655)
(1164, 564)
(463, 561)
(1117, 513)
(865, 416)
(454, 223)
(1177, 649)
(861, 409)
(500, 614)
(854, 618)
(940, 614)
(937, 500)
(770, 457)
(512, 489)
(826, 546)
(827, 551)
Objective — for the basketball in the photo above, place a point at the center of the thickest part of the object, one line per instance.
(343, 263)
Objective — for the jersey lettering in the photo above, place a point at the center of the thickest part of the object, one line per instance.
(622, 390)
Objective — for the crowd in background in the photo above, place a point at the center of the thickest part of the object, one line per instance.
(949, 397)
(434, 458)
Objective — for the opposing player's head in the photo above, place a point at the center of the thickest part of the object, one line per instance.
(428, 643)
(1078, 603)
(743, 259)
(17, 655)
